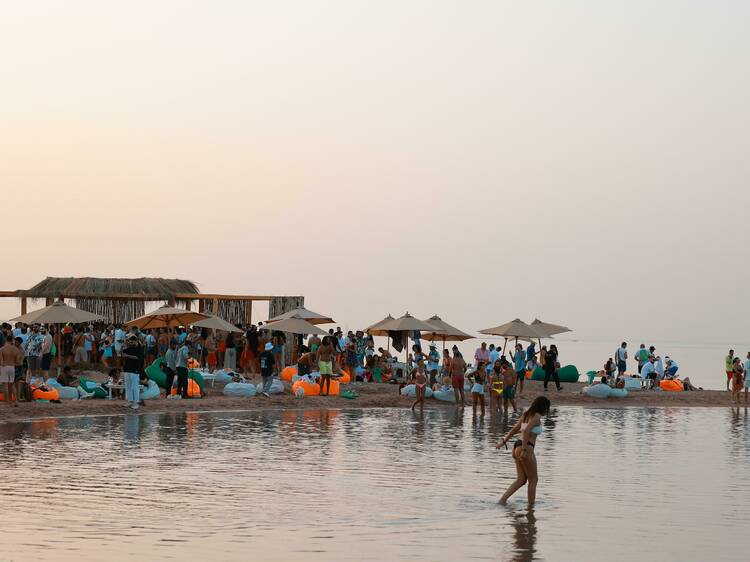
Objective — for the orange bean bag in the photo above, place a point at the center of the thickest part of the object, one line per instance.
(345, 378)
(671, 386)
(312, 389)
(51, 394)
(194, 391)
(288, 372)
(193, 364)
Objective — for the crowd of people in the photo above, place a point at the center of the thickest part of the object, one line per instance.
(652, 369)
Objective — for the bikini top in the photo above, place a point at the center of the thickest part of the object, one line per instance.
(537, 429)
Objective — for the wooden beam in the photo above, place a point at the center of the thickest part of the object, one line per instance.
(249, 312)
(196, 296)
(23, 306)
(9, 294)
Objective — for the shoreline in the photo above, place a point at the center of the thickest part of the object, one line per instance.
(370, 396)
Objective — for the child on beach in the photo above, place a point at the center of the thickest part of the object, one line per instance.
(509, 383)
(477, 389)
(420, 384)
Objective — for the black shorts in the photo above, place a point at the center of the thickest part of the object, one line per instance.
(46, 361)
(303, 370)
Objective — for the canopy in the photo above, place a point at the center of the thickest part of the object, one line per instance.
(443, 331)
(58, 313)
(547, 329)
(375, 329)
(295, 325)
(302, 312)
(514, 329)
(216, 323)
(167, 317)
(407, 323)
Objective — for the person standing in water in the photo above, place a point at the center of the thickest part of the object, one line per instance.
(458, 368)
(529, 425)
(477, 389)
(420, 386)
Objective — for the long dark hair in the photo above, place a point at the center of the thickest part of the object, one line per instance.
(540, 405)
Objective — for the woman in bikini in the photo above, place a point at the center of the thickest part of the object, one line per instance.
(530, 427)
(496, 388)
(420, 384)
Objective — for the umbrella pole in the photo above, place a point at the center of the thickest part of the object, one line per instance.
(504, 344)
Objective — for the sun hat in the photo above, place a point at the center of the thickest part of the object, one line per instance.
(269, 346)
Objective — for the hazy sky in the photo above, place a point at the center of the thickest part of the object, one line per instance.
(585, 162)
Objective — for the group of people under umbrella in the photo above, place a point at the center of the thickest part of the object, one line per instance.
(300, 322)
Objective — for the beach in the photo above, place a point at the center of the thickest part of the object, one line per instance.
(371, 395)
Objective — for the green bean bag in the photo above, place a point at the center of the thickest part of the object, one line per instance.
(91, 386)
(569, 373)
(154, 373)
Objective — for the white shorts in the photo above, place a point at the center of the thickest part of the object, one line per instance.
(7, 374)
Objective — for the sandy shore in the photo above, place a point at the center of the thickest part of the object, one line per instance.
(370, 396)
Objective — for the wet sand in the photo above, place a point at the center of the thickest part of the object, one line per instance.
(370, 396)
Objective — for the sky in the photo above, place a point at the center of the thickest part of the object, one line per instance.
(581, 162)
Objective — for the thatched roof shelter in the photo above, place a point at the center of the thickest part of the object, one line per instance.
(121, 300)
(147, 288)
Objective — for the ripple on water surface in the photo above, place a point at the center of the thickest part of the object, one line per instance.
(669, 484)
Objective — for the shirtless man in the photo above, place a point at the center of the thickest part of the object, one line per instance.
(458, 368)
(306, 363)
(10, 356)
(324, 356)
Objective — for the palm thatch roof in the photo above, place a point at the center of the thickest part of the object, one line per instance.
(146, 288)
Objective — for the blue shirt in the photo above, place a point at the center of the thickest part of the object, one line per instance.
(519, 361)
(530, 352)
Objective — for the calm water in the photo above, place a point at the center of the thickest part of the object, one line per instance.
(665, 484)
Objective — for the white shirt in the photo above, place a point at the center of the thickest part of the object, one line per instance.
(621, 351)
(660, 367)
(647, 369)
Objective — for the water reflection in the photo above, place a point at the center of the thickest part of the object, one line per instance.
(524, 528)
(384, 484)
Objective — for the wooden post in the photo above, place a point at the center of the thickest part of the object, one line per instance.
(215, 310)
(188, 305)
(23, 306)
(201, 305)
(250, 312)
(48, 301)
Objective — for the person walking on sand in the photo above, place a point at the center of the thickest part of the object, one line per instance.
(621, 356)
(267, 361)
(10, 356)
(550, 368)
(729, 366)
(324, 357)
(458, 368)
(133, 356)
(747, 376)
(519, 365)
(529, 425)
